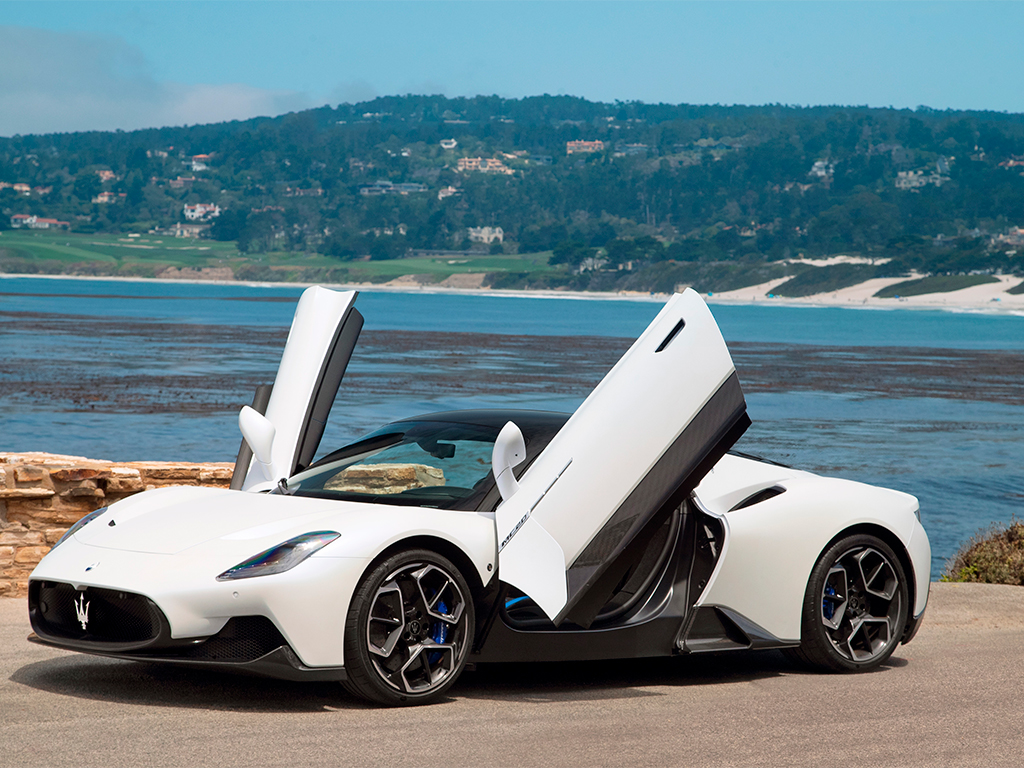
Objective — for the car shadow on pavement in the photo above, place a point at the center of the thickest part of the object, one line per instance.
(626, 678)
(616, 679)
(128, 682)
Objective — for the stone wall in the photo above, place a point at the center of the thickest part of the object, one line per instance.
(43, 494)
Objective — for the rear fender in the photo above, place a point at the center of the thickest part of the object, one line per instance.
(775, 545)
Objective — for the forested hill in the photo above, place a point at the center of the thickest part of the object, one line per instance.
(939, 191)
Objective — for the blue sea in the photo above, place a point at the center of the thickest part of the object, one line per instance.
(929, 402)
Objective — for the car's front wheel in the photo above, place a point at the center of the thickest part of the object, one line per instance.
(855, 608)
(409, 629)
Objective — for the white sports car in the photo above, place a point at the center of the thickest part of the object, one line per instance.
(626, 529)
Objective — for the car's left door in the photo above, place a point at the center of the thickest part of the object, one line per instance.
(323, 334)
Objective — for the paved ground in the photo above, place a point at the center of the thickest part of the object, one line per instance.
(954, 697)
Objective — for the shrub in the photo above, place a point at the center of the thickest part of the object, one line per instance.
(995, 556)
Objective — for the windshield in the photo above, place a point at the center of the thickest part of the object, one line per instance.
(422, 463)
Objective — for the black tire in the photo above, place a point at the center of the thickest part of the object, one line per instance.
(855, 607)
(409, 629)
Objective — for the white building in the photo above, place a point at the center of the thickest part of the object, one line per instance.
(202, 211)
(486, 234)
(917, 179)
(821, 169)
(19, 220)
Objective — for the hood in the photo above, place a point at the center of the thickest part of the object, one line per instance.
(166, 521)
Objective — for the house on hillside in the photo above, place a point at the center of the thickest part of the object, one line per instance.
(202, 211)
(586, 147)
(483, 165)
(486, 234)
(591, 264)
(914, 180)
(24, 220)
(384, 187)
(630, 150)
(303, 192)
(449, 143)
(181, 229)
(822, 169)
(189, 230)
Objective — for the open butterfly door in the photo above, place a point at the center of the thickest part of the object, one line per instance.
(633, 451)
(323, 334)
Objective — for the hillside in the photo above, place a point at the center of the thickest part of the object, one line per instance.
(625, 195)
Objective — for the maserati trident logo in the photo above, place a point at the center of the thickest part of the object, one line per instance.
(82, 610)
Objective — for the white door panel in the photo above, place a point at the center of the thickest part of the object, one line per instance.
(624, 452)
(320, 341)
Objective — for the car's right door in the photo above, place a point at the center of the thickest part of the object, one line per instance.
(642, 440)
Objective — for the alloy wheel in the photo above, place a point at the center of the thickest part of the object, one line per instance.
(861, 604)
(416, 628)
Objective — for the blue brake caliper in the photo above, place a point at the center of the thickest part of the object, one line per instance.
(828, 608)
(439, 634)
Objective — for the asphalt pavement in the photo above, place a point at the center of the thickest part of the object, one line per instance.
(953, 697)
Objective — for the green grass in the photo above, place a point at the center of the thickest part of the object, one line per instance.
(1018, 289)
(64, 252)
(442, 267)
(115, 250)
(934, 284)
(825, 279)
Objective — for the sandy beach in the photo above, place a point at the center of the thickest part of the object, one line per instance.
(988, 298)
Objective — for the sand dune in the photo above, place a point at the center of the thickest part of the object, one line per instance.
(989, 297)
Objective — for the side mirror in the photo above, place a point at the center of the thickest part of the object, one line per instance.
(258, 432)
(509, 452)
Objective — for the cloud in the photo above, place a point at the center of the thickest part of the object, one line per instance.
(52, 82)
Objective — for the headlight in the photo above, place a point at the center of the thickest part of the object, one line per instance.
(281, 558)
(78, 526)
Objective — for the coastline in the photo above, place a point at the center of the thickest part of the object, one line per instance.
(988, 298)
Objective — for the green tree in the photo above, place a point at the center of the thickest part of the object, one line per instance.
(135, 193)
(87, 186)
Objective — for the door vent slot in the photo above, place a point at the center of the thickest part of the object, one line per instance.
(757, 498)
(671, 335)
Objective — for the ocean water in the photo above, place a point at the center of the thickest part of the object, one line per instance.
(929, 402)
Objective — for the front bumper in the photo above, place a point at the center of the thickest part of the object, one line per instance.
(124, 625)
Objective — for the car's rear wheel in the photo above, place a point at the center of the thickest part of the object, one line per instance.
(855, 608)
(409, 629)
